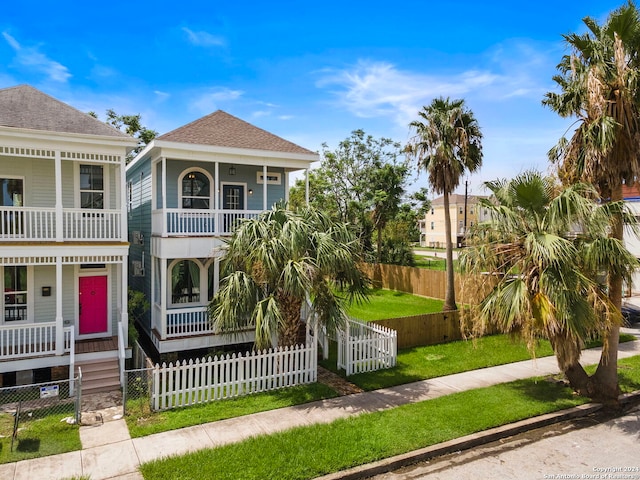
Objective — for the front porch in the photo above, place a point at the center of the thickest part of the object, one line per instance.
(190, 328)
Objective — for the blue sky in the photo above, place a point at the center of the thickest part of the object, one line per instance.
(310, 72)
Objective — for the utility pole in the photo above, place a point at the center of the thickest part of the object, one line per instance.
(466, 196)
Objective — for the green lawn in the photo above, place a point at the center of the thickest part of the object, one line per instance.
(308, 452)
(38, 436)
(422, 363)
(141, 421)
(392, 304)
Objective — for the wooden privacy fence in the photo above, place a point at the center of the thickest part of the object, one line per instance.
(425, 329)
(366, 347)
(418, 281)
(210, 379)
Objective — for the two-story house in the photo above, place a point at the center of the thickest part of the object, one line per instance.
(186, 191)
(463, 214)
(63, 241)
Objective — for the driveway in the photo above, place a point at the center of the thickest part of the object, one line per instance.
(592, 447)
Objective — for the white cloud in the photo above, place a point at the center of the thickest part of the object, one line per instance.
(209, 101)
(260, 113)
(31, 58)
(204, 39)
(285, 117)
(161, 96)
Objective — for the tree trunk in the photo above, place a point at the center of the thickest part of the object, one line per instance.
(379, 255)
(606, 376)
(290, 307)
(450, 293)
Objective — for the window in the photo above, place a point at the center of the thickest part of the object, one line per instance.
(91, 186)
(432, 225)
(432, 211)
(195, 190)
(185, 282)
(15, 293)
(461, 224)
(12, 192)
(273, 178)
(471, 211)
(472, 223)
(461, 211)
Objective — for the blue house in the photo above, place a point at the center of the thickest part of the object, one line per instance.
(186, 191)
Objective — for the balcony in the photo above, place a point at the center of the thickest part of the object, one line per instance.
(192, 222)
(78, 224)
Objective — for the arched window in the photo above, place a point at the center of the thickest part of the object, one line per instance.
(185, 282)
(195, 190)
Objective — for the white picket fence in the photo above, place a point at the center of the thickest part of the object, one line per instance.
(365, 347)
(216, 378)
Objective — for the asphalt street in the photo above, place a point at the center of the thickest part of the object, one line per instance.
(596, 447)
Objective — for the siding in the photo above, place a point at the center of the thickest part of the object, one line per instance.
(44, 307)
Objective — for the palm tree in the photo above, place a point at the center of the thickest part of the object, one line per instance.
(599, 86)
(447, 144)
(274, 262)
(540, 259)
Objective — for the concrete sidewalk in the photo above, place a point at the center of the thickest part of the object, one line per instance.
(109, 452)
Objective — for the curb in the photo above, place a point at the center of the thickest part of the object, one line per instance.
(470, 441)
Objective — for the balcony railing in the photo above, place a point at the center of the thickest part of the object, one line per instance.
(33, 340)
(184, 322)
(191, 222)
(39, 224)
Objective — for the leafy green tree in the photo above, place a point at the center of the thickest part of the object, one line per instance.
(131, 125)
(277, 260)
(541, 256)
(598, 80)
(361, 182)
(446, 145)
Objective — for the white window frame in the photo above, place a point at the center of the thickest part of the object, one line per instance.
(24, 186)
(106, 198)
(170, 286)
(222, 184)
(30, 293)
(277, 180)
(211, 186)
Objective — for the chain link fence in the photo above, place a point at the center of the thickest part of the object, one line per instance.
(136, 392)
(21, 405)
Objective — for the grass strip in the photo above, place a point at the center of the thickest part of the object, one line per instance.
(308, 452)
(142, 421)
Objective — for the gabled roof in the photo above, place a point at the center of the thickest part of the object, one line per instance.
(26, 107)
(224, 130)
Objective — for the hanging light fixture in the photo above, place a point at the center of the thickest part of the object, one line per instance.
(232, 170)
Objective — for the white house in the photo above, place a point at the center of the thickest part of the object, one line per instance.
(186, 191)
(63, 241)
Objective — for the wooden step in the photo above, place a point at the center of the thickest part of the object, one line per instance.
(100, 376)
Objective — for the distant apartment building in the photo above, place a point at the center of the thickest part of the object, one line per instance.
(463, 215)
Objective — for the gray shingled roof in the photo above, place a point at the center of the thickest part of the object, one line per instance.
(26, 107)
(223, 130)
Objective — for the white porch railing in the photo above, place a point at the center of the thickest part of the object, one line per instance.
(39, 224)
(185, 222)
(188, 383)
(364, 347)
(34, 340)
(84, 224)
(185, 322)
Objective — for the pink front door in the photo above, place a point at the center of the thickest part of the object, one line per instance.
(93, 305)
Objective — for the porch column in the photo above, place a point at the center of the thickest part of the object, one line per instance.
(124, 298)
(306, 186)
(264, 187)
(164, 196)
(59, 319)
(216, 199)
(58, 183)
(122, 189)
(163, 298)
